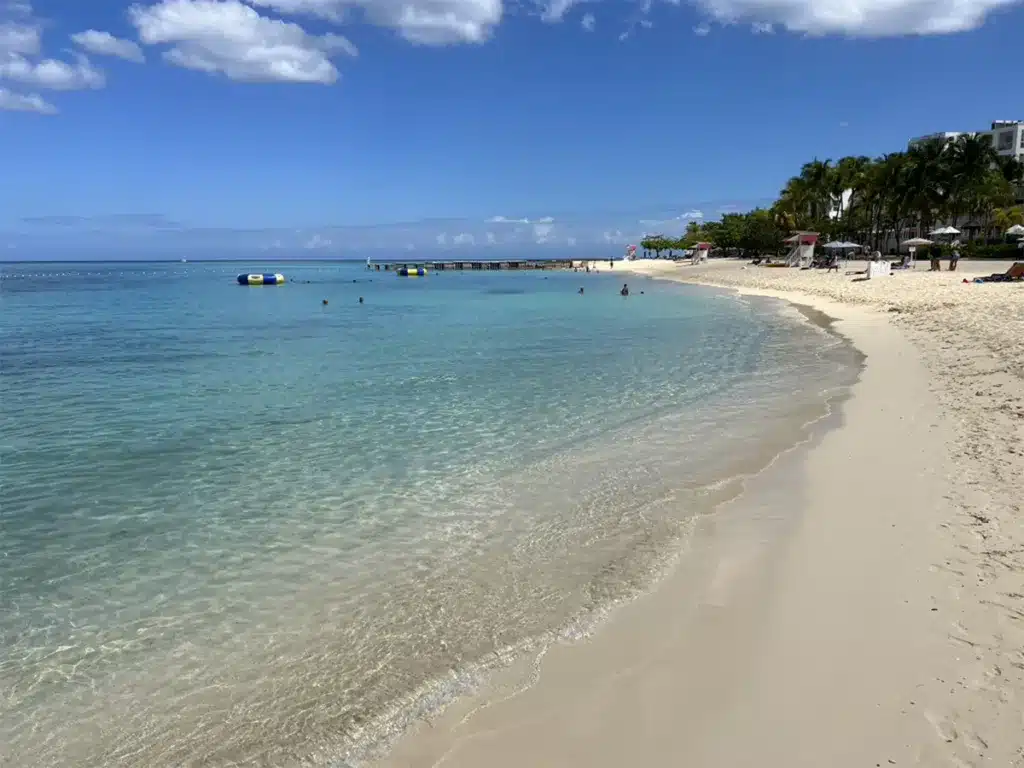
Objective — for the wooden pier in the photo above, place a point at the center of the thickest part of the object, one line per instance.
(439, 266)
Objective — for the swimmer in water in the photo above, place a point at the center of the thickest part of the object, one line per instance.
(325, 302)
(581, 291)
(624, 291)
(360, 299)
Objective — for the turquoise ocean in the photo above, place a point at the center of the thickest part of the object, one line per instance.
(242, 527)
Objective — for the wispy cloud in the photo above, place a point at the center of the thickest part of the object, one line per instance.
(25, 102)
(702, 30)
(425, 22)
(105, 44)
(506, 220)
(762, 28)
(52, 74)
(317, 243)
(107, 221)
(554, 10)
(866, 18)
(588, 22)
(140, 233)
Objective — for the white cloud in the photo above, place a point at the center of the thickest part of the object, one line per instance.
(491, 239)
(541, 231)
(555, 10)
(860, 18)
(51, 73)
(428, 22)
(19, 38)
(762, 28)
(316, 242)
(17, 102)
(588, 22)
(442, 239)
(702, 30)
(464, 238)
(646, 23)
(327, 9)
(504, 220)
(674, 220)
(20, 47)
(105, 44)
(570, 241)
(230, 38)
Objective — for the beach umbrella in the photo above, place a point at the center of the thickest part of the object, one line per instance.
(945, 231)
(913, 244)
(1016, 229)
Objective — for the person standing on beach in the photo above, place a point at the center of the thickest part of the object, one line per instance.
(954, 255)
(934, 256)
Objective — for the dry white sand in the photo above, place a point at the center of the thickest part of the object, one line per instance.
(862, 604)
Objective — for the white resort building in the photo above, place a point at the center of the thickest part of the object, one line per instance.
(1007, 137)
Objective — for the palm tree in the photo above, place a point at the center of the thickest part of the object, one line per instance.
(1004, 218)
(809, 196)
(1011, 168)
(969, 163)
(927, 180)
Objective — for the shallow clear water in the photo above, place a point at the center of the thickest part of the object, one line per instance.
(238, 526)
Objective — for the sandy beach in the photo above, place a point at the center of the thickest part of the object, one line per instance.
(860, 604)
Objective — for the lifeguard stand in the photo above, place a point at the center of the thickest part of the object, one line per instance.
(802, 249)
(700, 252)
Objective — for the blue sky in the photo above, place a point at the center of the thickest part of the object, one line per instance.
(337, 127)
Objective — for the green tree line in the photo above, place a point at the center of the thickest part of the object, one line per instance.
(963, 183)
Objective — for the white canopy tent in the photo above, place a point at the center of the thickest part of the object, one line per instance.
(843, 246)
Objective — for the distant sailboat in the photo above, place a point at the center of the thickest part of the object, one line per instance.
(184, 260)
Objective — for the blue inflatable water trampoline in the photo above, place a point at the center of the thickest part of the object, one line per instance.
(267, 279)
